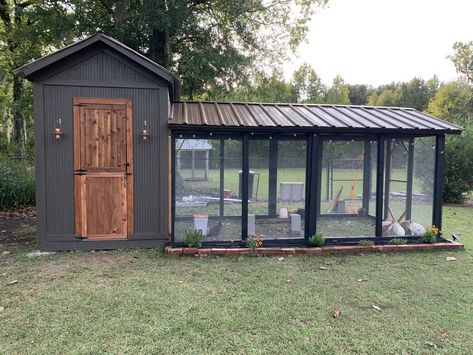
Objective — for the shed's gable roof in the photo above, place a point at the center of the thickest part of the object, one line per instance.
(29, 69)
(228, 114)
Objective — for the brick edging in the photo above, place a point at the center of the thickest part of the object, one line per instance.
(336, 249)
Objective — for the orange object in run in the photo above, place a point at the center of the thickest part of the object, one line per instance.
(353, 192)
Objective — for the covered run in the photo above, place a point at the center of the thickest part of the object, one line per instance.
(287, 171)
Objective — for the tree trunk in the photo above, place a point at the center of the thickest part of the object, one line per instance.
(19, 123)
(160, 48)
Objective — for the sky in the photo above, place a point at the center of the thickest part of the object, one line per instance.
(380, 41)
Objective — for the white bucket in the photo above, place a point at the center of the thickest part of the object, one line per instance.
(200, 223)
(283, 213)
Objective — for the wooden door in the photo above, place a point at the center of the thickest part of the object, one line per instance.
(103, 168)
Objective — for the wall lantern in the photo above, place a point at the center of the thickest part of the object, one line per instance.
(145, 132)
(58, 130)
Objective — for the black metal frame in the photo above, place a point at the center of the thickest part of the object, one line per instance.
(313, 174)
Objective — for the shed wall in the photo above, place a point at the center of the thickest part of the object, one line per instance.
(54, 162)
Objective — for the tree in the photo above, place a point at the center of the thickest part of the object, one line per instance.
(260, 87)
(27, 28)
(338, 92)
(307, 85)
(462, 58)
(206, 42)
(454, 102)
(358, 94)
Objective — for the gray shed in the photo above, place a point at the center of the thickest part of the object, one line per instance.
(102, 144)
(198, 150)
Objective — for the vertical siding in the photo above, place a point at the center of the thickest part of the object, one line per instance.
(102, 66)
(150, 159)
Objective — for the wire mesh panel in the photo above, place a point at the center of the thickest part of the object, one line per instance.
(348, 190)
(408, 186)
(291, 184)
(206, 188)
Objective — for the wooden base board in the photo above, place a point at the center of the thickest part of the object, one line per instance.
(340, 249)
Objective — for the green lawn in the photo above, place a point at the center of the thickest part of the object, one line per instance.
(141, 302)
(353, 176)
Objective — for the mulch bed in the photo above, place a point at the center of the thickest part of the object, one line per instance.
(18, 226)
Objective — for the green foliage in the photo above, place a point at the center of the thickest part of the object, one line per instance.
(366, 243)
(458, 180)
(431, 235)
(454, 102)
(307, 85)
(209, 44)
(316, 240)
(255, 241)
(338, 92)
(17, 184)
(462, 58)
(416, 94)
(397, 241)
(193, 238)
(358, 94)
(263, 88)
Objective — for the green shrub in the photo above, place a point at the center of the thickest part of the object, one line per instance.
(255, 241)
(458, 166)
(366, 243)
(193, 238)
(316, 240)
(431, 235)
(397, 241)
(17, 183)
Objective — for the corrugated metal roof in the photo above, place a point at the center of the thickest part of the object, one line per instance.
(240, 114)
(193, 144)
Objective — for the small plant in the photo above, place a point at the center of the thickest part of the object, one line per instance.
(366, 243)
(431, 235)
(193, 238)
(316, 240)
(397, 241)
(255, 241)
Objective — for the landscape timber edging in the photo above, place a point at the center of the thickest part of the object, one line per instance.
(340, 249)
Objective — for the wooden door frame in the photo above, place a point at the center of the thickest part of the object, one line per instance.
(77, 102)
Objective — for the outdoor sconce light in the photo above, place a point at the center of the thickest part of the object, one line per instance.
(58, 130)
(145, 132)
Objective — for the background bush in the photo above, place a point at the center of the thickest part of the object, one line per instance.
(17, 183)
(458, 166)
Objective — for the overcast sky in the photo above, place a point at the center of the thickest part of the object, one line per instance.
(380, 41)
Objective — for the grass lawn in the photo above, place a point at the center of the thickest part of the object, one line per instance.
(141, 302)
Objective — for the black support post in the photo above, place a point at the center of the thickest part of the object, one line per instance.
(438, 180)
(273, 177)
(173, 184)
(244, 184)
(327, 183)
(379, 186)
(387, 182)
(312, 186)
(318, 176)
(366, 178)
(410, 178)
(222, 177)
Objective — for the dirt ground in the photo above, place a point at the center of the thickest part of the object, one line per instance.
(18, 226)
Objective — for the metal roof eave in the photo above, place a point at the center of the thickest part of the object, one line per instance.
(301, 129)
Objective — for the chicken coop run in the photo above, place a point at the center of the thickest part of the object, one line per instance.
(283, 172)
(122, 161)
